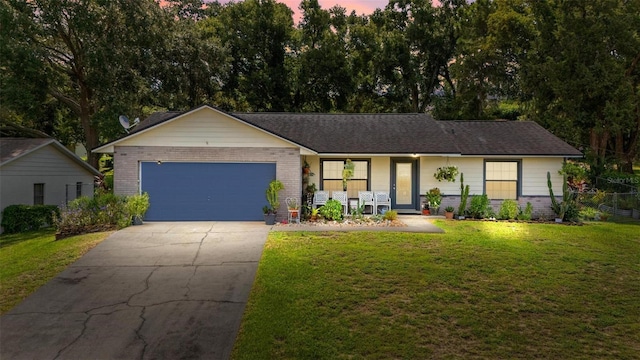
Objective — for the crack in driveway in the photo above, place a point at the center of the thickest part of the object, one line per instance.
(154, 309)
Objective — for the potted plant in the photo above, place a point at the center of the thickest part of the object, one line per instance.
(446, 173)
(314, 214)
(294, 209)
(309, 190)
(425, 208)
(434, 197)
(137, 205)
(272, 197)
(448, 212)
(347, 173)
(306, 168)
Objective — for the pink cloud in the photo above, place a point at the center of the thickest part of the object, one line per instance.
(360, 6)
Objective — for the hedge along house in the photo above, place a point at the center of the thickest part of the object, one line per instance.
(205, 164)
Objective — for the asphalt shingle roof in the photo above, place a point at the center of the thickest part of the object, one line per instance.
(483, 137)
(398, 134)
(357, 133)
(11, 148)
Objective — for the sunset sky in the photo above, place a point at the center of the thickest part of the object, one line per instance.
(360, 6)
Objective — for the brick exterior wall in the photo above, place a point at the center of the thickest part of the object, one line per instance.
(126, 161)
(541, 205)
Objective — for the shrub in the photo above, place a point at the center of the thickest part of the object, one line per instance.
(508, 210)
(479, 206)
(20, 218)
(390, 215)
(137, 205)
(588, 213)
(332, 210)
(84, 215)
(527, 213)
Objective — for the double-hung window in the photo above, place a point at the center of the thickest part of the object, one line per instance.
(332, 176)
(38, 194)
(501, 179)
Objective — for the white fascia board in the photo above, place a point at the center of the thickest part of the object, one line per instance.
(520, 156)
(416, 155)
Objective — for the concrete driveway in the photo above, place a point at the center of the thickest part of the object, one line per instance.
(157, 291)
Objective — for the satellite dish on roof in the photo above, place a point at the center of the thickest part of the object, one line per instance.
(124, 121)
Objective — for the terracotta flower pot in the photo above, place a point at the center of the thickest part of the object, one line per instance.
(426, 212)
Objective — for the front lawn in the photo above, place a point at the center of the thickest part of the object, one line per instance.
(492, 290)
(29, 260)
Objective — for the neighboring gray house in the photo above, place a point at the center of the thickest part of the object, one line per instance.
(205, 164)
(41, 171)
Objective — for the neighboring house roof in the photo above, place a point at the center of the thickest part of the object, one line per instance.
(12, 149)
(395, 134)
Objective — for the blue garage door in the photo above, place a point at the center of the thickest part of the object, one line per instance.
(206, 191)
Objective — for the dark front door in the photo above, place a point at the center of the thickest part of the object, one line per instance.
(404, 184)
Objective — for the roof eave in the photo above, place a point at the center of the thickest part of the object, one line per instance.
(109, 148)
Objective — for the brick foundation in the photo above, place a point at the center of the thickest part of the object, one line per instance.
(541, 205)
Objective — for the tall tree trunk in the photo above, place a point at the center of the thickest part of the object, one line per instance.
(415, 98)
(92, 140)
(598, 143)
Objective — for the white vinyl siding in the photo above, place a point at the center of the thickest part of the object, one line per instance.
(534, 176)
(473, 169)
(381, 174)
(205, 128)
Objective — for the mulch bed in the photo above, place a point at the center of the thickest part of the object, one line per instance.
(347, 223)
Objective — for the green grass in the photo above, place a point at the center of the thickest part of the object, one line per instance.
(29, 260)
(491, 290)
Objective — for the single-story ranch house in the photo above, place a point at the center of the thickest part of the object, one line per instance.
(206, 164)
(41, 171)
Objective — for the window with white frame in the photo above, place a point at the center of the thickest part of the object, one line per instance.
(38, 194)
(501, 179)
(332, 176)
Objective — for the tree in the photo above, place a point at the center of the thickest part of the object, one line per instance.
(322, 74)
(582, 74)
(419, 43)
(483, 74)
(257, 35)
(89, 55)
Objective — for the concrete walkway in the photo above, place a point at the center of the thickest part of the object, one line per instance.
(157, 291)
